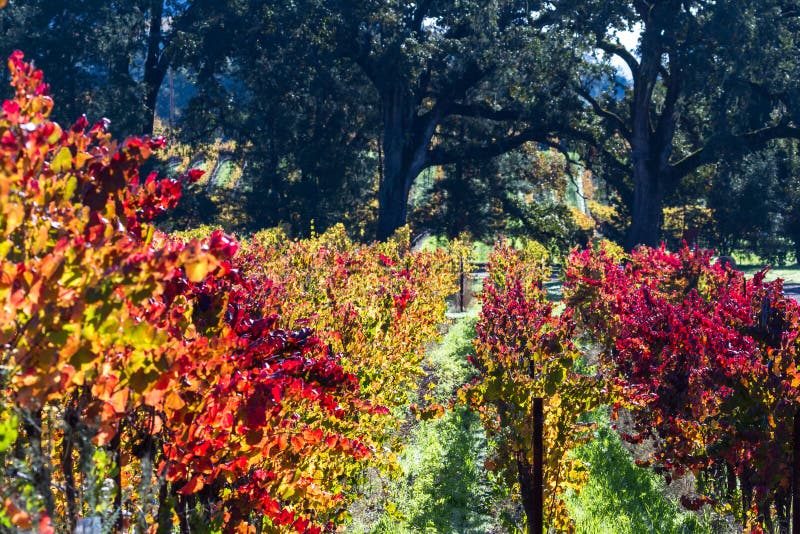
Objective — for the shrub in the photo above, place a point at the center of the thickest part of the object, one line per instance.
(706, 360)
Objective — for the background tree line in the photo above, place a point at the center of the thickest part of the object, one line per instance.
(386, 111)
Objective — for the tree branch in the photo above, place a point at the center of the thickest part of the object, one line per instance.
(567, 168)
(616, 178)
(719, 145)
(484, 111)
(621, 52)
(477, 152)
(605, 113)
(419, 16)
(458, 87)
(360, 56)
(667, 121)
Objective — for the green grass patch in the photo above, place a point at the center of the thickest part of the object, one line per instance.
(444, 487)
(621, 498)
(223, 174)
(751, 264)
(448, 359)
(790, 275)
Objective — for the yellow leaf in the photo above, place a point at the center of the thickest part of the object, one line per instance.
(792, 371)
(81, 159)
(70, 187)
(15, 214)
(197, 270)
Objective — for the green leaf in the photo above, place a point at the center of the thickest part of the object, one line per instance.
(82, 359)
(62, 162)
(8, 432)
(144, 336)
(554, 379)
(70, 187)
(140, 380)
(492, 391)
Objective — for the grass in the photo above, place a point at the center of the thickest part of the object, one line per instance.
(448, 359)
(751, 264)
(444, 487)
(223, 174)
(621, 498)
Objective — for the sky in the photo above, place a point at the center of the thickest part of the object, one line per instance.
(630, 40)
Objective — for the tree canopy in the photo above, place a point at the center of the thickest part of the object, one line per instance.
(708, 82)
(104, 58)
(337, 107)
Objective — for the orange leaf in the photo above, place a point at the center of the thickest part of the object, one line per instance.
(119, 400)
(193, 486)
(174, 401)
(283, 442)
(19, 518)
(22, 520)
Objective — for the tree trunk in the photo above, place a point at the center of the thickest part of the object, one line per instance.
(651, 140)
(71, 422)
(165, 508)
(116, 456)
(645, 226)
(404, 157)
(155, 67)
(151, 97)
(393, 202)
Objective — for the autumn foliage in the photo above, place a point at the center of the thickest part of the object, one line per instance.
(707, 361)
(379, 305)
(523, 350)
(165, 383)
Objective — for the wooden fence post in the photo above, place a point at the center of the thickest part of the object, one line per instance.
(537, 526)
(461, 284)
(796, 475)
